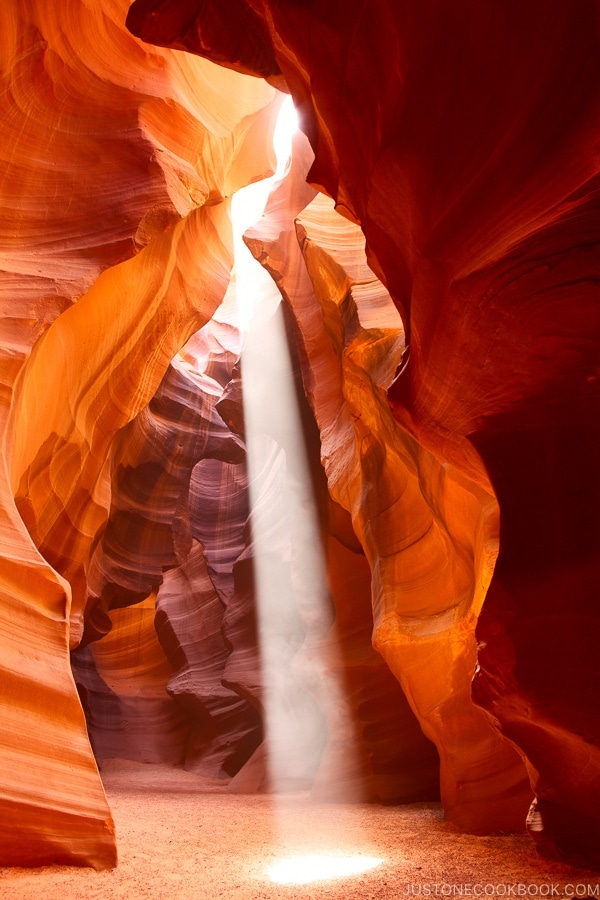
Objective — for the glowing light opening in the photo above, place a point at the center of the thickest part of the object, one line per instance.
(247, 207)
(306, 869)
(287, 126)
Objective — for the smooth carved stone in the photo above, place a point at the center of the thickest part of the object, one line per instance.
(240, 630)
(428, 534)
(375, 748)
(231, 148)
(383, 756)
(178, 474)
(152, 459)
(109, 261)
(100, 704)
(245, 46)
(59, 460)
(130, 714)
(225, 729)
(219, 511)
(52, 804)
(481, 217)
(425, 598)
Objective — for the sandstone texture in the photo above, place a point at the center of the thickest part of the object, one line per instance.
(115, 248)
(464, 142)
(431, 255)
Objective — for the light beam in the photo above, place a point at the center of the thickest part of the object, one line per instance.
(292, 593)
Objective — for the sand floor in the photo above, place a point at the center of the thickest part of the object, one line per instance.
(181, 838)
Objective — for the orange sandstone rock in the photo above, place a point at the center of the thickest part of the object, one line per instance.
(431, 551)
(464, 141)
(115, 246)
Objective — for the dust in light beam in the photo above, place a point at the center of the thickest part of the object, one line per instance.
(289, 562)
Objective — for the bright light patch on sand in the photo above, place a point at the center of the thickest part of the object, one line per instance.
(305, 869)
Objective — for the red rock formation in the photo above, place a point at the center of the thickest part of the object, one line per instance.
(148, 528)
(464, 141)
(461, 138)
(110, 151)
(157, 509)
(124, 676)
(374, 748)
(351, 341)
(392, 761)
(225, 728)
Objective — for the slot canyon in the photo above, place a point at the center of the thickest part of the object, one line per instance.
(334, 462)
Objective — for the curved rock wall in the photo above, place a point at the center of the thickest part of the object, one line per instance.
(121, 680)
(115, 246)
(130, 542)
(464, 141)
(431, 549)
(458, 496)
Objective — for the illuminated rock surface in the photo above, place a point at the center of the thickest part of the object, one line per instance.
(395, 760)
(463, 140)
(110, 152)
(350, 333)
(459, 470)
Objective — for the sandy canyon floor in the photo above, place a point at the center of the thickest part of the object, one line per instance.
(182, 838)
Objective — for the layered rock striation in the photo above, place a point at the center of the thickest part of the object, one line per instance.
(430, 555)
(446, 373)
(115, 247)
(464, 142)
(128, 549)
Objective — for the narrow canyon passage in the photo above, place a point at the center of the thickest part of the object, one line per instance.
(299, 503)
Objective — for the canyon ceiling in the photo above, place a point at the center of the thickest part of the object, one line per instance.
(453, 448)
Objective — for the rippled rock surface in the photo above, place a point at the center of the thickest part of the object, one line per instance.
(462, 140)
(115, 247)
(453, 451)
